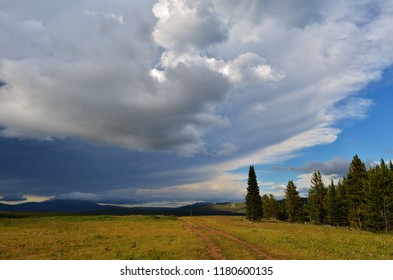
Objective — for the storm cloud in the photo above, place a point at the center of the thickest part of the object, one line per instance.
(220, 82)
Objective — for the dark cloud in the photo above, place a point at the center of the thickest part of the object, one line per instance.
(110, 199)
(13, 197)
(336, 166)
(73, 166)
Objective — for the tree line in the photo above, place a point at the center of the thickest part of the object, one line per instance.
(362, 199)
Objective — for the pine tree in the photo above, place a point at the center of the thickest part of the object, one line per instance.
(281, 210)
(342, 204)
(378, 214)
(317, 209)
(390, 195)
(270, 207)
(293, 203)
(254, 211)
(332, 205)
(355, 185)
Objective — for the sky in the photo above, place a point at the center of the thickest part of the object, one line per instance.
(169, 102)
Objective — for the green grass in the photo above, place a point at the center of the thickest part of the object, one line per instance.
(166, 237)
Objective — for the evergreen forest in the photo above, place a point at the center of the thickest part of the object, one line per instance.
(363, 199)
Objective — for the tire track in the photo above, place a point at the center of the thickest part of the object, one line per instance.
(214, 250)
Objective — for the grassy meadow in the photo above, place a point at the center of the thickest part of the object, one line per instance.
(97, 237)
(307, 241)
(167, 237)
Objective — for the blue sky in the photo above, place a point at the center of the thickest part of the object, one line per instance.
(170, 101)
(369, 137)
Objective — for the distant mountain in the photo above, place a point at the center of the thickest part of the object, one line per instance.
(205, 209)
(58, 206)
(85, 207)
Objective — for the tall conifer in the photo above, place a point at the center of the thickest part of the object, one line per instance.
(355, 185)
(378, 214)
(342, 203)
(317, 208)
(332, 205)
(254, 211)
(293, 203)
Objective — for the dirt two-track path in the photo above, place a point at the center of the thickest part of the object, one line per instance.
(213, 248)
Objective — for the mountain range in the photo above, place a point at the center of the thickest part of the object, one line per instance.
(86, 207)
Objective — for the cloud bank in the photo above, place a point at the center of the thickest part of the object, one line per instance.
(227, 82)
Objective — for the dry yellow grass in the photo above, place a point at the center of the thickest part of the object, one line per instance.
(299, 241)
(98, 237)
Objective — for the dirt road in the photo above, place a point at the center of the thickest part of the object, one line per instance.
(217, 240)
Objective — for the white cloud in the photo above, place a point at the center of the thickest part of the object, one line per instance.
(282, 151)
(157, 74)
(250, 67)
(354, 108)
(303, 182)
(246, 69)
(277, 190)
(184, 24)
(28, 198)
